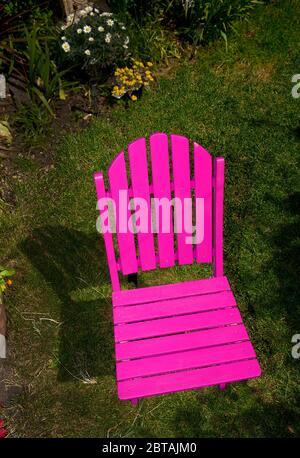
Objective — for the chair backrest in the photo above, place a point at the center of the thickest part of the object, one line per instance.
(168, 208)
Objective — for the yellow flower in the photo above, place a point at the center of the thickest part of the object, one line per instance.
(134, 98)
(9, 282)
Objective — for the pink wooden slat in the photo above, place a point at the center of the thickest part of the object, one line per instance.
(156, 293)
(181, 342)
(161, 190)
(118, 182)
(137, 154)
(171, 307)
(181, 179)
(189, 380)
(108, 239)
(219, 170)
(184, 360)
(203, 189)
(164, 326)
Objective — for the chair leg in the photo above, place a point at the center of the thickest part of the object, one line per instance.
(222, 386)
(134, 402)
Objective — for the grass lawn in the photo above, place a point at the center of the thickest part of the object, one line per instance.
(236, 103)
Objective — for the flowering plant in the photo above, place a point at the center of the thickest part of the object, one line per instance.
(130, 80)
(92, 38)
(3, 274)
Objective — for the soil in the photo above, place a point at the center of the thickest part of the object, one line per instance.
(8, 387)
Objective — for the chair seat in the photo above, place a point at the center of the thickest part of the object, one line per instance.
(180, 336)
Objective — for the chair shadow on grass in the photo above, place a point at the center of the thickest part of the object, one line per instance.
(286, 259)
(73, 264)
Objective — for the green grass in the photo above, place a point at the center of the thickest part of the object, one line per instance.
(238, 104)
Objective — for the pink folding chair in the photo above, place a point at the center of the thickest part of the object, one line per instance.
(179, 336)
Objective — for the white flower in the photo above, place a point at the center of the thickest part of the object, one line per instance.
(63, 38)
(106, 14)
(88, 9)
(92, 14)
(91, 39)
(126, 41)
(96, 10)
(123, 27)
(66, 46)
(125, 46)
(82, 13)
(110, 22)
(87, 29)
(101, 29)
(87, 52)
(79, 31)
(63, 27)
(108, 37)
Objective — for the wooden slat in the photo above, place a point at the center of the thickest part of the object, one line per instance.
(188, 380)
(108, 239)
(181, 179)
(184, 289)
(165, 326)
(118, 181)
(184, 360)
(137, 154)
(162, 190)
(203, 189)
(181, 342)
(171, 307)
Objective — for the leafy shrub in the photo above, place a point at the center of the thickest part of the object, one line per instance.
(198, 21)
(140, 10)
(153, 41)
(94, 39)
(13, 40)
(44, 80)
(14, 7)
(201, 21)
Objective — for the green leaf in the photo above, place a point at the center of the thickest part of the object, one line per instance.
(62, 94)
(43, 100)
(7, 273)
(224, 36)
